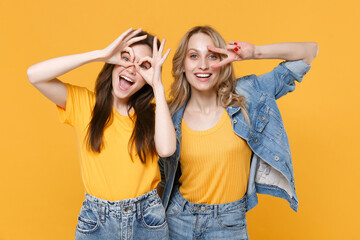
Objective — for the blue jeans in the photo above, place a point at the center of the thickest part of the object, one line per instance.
(137, 218)
(202, 221)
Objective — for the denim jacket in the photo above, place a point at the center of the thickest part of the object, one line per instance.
(271, 169)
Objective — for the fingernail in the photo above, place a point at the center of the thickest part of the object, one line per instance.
(236, 49)
(235, 43)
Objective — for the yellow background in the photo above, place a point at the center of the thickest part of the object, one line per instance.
(40, 184)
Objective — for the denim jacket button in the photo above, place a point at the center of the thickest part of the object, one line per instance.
(262, 118)
(276, 158)
(234, 121)
(202, 208)
(255, 140)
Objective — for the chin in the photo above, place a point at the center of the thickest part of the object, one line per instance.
(203, 86)
(121, 95)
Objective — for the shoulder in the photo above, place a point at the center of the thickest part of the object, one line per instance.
(245, 86)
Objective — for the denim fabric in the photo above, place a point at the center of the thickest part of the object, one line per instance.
(138, 218)
(271, 170)
(201, 221)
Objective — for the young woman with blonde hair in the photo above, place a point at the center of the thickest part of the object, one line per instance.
(119, 135)
(231, 138)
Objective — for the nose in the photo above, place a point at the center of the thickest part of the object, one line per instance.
(131, 69)
(204, 64)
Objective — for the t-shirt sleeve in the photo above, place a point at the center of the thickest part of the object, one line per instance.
(78, 105)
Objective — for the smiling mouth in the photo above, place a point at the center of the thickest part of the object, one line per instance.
(125, 83)
(203, 75)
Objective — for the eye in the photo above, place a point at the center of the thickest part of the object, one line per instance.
(193, 56)
(125, 56)
(213, 56)
(145, 65)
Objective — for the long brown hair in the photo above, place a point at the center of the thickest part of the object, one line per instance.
(180, 89)
(142, 137)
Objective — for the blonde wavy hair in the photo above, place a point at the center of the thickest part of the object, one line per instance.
(180, 89)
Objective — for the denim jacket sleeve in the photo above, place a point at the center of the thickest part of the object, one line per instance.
(161, 166)
(281, 80)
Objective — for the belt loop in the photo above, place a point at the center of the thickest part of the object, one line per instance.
(183, 205)
(138, 209)
(215, 211)
(102, 213)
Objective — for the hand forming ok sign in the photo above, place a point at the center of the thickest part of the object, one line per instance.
(112, 53)
(152, 75)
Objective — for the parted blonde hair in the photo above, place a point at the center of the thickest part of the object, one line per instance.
(225, 86)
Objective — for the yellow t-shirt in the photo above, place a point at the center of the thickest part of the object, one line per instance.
(215, 164)
(110, 174)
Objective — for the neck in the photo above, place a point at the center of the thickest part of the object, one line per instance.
(203, 101)
(121, 106)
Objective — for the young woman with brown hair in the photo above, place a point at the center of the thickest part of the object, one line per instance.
(119, 134)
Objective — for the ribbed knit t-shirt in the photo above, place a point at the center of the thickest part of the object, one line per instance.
(215, 164)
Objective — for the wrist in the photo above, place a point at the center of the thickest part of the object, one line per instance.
(258, 52)
(158, 88)
(97, 55)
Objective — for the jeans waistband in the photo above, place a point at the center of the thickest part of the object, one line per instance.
(124, 206)
(208, 208)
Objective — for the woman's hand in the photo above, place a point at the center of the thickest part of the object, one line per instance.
(235, 51)
(152, 75)
(150, 70)
(112, 53)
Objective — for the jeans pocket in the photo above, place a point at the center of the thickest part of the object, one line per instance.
(154, 217)
(88, 221)
(233, 220)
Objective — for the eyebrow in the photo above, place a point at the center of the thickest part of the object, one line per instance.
(208, 51)
(196, 50)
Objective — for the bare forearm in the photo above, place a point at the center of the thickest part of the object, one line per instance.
(52, 68)
(165, 137)
(291, 51)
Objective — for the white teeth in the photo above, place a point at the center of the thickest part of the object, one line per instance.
(126, 78)
(203, 75)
